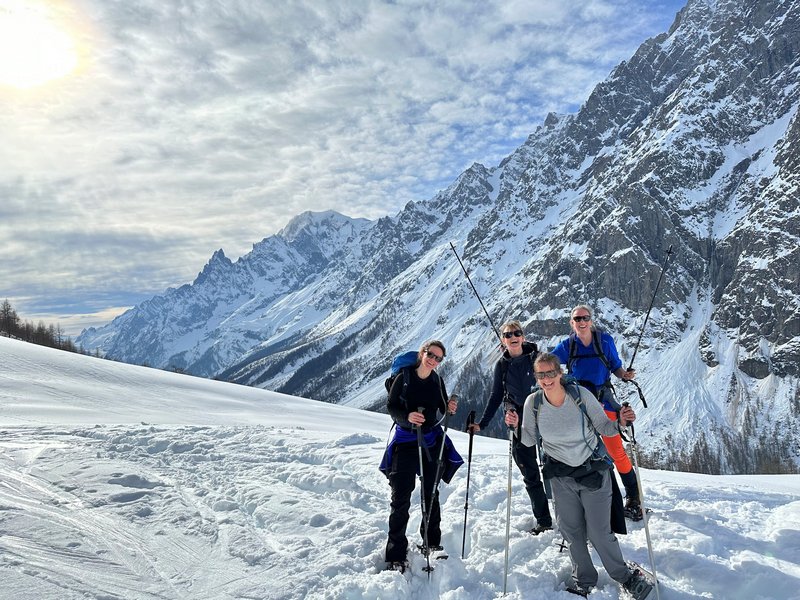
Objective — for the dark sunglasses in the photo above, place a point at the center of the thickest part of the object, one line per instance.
(547, 374)
(580, 318)
(509, 334)
(434, 356)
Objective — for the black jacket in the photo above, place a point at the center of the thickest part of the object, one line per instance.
(428, 393)
(519, 382)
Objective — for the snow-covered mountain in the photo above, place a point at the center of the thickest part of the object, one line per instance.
(689, 144)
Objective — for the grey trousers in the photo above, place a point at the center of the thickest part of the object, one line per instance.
(581, 514)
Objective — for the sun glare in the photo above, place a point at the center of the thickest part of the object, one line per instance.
(33, 48)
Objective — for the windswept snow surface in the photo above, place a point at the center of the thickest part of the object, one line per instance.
(121, 482)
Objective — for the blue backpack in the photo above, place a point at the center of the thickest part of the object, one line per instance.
(401, 363)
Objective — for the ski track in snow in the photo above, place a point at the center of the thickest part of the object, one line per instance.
(218, 512)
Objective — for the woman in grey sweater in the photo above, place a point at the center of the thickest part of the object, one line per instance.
(567, 419)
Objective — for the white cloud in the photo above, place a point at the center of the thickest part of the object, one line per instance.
(194, 126)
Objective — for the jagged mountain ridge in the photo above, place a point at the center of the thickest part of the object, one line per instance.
(687, 144)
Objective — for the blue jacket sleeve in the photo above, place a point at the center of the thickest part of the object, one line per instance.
(610, 350)
(562, 351)
(496, 397)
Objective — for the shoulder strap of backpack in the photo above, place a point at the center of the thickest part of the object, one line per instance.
(503, 373)
(573, 352)
(597, 346)
(599, 449)
(406, 375)
(538, 398)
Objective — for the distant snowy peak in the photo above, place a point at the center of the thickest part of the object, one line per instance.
(323, 225)
(217, 263)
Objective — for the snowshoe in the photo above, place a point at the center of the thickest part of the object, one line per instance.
(641, 582)
(435, 552)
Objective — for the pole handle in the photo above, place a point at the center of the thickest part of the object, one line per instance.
(630, 425)
(470, 422)
(420, 409)
(510, 408)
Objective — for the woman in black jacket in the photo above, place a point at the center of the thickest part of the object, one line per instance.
(513, 382)
(415, 399)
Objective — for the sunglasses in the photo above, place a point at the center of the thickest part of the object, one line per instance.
(580, 318)
(509, 334)
(434, 356)
(547, 374)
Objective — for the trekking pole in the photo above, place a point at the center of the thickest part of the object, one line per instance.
(439, 469)
(641, 332)
(420, 443)
(439, 461)
(463, 268)
(508, 500)
(633, 445)
(652, 300)
(468, 428)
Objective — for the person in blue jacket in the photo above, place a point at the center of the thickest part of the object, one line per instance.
(591, 357)
(513, 382)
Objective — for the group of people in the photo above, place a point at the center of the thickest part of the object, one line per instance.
(573, 421)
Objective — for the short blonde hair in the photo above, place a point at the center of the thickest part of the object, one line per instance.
(584, 307)
(512, 325)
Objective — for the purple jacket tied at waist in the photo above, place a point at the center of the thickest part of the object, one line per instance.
(452, 459)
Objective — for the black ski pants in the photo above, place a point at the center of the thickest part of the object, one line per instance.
(525, 458)
(402, 479)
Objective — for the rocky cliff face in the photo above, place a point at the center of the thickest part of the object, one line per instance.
(690, 144)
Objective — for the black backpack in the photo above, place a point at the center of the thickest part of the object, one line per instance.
(596, 344)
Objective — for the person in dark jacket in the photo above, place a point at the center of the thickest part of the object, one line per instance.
(415, 399)
(513, 382)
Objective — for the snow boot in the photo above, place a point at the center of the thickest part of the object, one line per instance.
(397, 565)
(633, 507)
(579, 590)
(540, 529)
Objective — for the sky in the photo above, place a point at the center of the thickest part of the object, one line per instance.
(120, 481)
(140, 137)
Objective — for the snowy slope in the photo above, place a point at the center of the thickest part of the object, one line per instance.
(122, 482)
